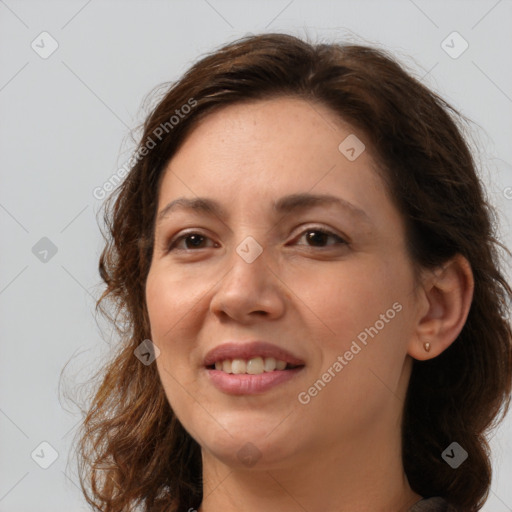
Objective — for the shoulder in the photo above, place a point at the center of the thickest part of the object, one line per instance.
(435, 504)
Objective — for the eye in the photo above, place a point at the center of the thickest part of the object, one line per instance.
(319, 236)
(193, 240)
(314, 236)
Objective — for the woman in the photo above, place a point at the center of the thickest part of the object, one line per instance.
(307, 269)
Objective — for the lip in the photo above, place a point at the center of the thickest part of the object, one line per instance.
(239, 350)
(246, 384)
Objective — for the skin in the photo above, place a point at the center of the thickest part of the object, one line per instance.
(342, 450)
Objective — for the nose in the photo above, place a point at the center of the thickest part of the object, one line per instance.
(250, 291)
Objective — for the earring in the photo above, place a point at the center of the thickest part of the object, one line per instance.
(426, 346)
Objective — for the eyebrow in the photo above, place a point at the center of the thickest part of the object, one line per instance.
(287, 204)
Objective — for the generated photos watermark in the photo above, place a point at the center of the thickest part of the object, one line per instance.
(101, 192)
(304, 397)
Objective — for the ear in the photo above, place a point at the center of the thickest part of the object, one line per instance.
(443, 306)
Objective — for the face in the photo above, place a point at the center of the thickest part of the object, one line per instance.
(296, 256)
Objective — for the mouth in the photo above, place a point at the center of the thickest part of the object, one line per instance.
(253, 366)
(250, 368)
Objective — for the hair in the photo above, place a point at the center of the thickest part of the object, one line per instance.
(133, 451)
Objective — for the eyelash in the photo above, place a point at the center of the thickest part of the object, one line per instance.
(173, 243)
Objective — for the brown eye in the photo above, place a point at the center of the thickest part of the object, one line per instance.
(319, 237)
(192, 241)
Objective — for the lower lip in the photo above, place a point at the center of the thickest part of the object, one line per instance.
(245, 384)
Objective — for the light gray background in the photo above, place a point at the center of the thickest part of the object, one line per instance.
(63, 131)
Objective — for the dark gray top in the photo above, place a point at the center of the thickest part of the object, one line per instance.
(436, 504)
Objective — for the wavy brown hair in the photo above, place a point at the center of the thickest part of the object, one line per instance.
(133, 452)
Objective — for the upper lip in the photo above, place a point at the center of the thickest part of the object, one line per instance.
(248, 350)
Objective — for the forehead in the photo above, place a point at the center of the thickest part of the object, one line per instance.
(281, 139)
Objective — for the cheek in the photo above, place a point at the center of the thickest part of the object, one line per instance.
(167, 307)
(364, 385)
(167, 311)
(169, 301)
(346, 304)
(364, 320)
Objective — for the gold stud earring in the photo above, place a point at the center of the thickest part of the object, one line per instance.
(426, 346)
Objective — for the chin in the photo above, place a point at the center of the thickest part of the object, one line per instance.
(259, 447)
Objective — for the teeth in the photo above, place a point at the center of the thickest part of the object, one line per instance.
(254, 366)
(238, 366)
(270, 364)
